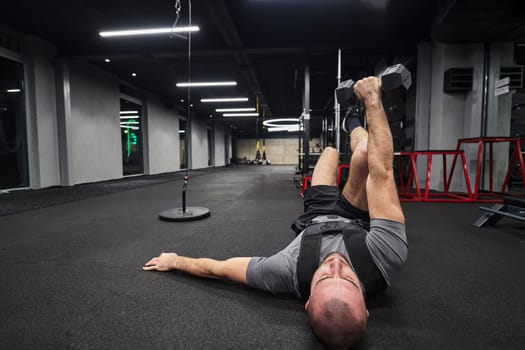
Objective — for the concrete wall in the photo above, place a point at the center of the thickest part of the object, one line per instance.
(72, 111)
(162, 137)
(442, 119)
(499, 113)
(230, 148)
(199, 144)
(220, 147)
(96, 152)
(41, 113)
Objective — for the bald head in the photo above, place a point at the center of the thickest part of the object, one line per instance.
(337, 324)
(336, 307)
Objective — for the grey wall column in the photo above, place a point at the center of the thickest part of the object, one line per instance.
(498, 114)
(211, 147)
(32, 130)
(163, 137)
(43, 156)
(64, 119)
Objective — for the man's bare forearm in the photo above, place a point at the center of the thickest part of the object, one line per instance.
(201, 267)
(233, 269)
(380, 146)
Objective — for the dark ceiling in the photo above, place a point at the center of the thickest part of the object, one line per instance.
(264, 45)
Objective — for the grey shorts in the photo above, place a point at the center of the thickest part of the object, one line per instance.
(326, 200)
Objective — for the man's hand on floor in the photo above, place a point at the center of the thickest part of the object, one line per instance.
(164, 262)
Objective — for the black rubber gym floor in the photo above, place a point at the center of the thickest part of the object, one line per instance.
(72, 274)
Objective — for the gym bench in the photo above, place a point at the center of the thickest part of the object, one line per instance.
(512, 207)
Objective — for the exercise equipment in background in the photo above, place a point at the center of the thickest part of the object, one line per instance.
(512, 207)
(186, 213)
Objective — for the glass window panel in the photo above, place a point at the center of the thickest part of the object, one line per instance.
(131, 137)
(13, 134)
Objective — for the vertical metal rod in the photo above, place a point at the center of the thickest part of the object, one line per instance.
(491, 162)
(338, 106)
(184, 193)
(445, 184)
(300, 152)
(189, 124)
(485, 99)
(324, 133)
(485, 89)
(306, 120)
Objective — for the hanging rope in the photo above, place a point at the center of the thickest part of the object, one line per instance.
(186, 213)
(178, 9)
(189, 81)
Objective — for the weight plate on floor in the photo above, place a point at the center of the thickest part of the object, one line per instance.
(191, 213)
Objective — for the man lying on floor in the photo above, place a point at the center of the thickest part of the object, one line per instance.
(349, 244)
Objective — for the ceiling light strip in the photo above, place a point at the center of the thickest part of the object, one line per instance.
(209, 83)
(129, 117)
(240, 114)
(225, 99)
(226, 110)
(148, 31)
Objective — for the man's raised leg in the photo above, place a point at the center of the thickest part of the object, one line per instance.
(325, 171)
(355, 187)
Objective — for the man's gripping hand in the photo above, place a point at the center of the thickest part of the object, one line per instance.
(164, 262)
(368, 90)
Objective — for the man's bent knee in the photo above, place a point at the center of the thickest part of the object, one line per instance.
(326, 167)
(329, 149)
(360, 153)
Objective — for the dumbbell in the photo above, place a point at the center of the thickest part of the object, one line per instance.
(396, 77)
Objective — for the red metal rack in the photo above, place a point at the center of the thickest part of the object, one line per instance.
(407, 195)
(516, 157)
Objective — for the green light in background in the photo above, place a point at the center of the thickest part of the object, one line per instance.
(129, 143)
(131, 137)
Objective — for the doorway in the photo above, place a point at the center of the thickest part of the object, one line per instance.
(131, 126)
(13, 133)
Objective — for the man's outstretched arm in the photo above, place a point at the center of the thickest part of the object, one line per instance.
(233, 269)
